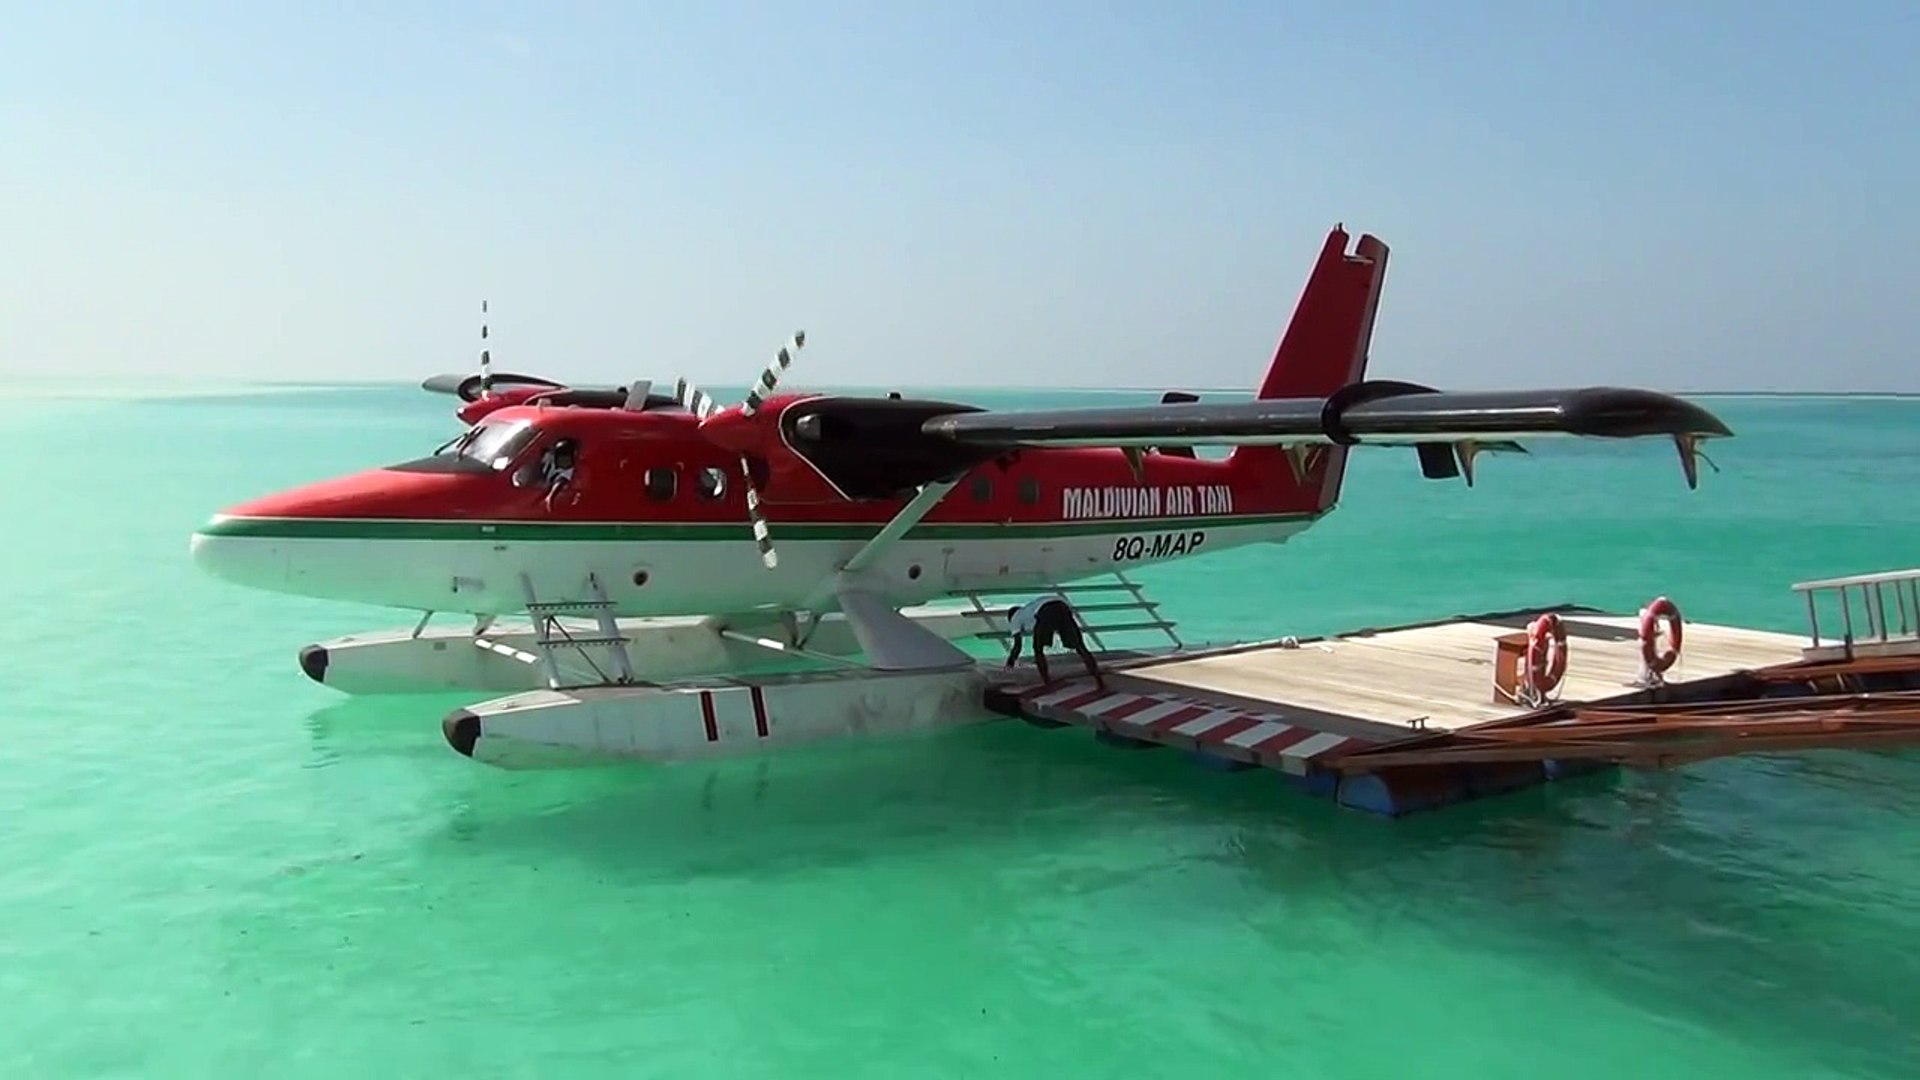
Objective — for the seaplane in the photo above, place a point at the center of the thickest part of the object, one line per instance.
(657, 575)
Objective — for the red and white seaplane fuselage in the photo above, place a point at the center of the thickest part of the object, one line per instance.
(697, 539)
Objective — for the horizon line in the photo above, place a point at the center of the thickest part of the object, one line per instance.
(271, 383)
(1113, 389)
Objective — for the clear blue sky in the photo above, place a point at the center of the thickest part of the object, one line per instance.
(1693, 196)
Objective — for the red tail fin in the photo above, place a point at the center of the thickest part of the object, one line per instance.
(1324, 348)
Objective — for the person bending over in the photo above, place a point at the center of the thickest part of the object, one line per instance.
(1045, 618)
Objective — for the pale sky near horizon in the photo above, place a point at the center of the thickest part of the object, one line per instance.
(1697, 196)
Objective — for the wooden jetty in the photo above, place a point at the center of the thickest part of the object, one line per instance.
(1404, 718)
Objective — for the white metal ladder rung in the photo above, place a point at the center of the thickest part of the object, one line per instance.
(1065, 590)
(550, 634)
(569, 605)
(1122, 583)
(1150, 607)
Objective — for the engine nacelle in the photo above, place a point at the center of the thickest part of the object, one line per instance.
(875, 448)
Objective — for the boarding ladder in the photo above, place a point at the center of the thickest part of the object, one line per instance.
(1886, 633)
(994, 615)
(551, 636)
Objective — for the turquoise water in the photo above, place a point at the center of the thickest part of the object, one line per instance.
(209, 863)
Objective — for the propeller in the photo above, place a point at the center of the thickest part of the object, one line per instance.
(471, 388)
(701, 405)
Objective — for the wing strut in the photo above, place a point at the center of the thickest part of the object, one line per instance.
(917, 508)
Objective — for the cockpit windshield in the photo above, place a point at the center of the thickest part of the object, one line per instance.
(492, 443)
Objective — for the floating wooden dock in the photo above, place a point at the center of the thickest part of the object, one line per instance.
(1404, 718)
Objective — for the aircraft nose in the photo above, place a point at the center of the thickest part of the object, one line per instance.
(220, 550)
(323, 539)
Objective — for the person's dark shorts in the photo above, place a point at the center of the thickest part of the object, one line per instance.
(1055, 617)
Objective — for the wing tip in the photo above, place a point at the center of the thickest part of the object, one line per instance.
(1630, 412)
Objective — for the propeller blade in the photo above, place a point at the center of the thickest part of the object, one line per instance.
(697, 402)
(692, 398)
(770, 377)
(471, 388)
(486, 358)
(761, 537)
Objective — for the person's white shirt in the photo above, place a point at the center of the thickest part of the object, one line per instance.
(1023, 620)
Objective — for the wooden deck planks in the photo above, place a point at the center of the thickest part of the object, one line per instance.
(1443, 674)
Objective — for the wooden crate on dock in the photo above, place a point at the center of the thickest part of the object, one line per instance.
(1509, 660)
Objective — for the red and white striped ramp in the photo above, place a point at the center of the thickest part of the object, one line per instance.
(1252, 735)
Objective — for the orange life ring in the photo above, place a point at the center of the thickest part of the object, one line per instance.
(1658, 661)
(1546, 653)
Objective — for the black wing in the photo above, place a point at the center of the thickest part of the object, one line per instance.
(1379, 413)
(869, 448)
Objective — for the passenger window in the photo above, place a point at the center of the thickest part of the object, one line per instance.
(982, 488)
(1029, 490)
(662, 483)
(713, 484)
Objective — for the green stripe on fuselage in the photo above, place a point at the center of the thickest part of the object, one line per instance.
(407, 529)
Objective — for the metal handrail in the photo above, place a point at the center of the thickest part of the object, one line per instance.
(1859, 579)
(1873, 588)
